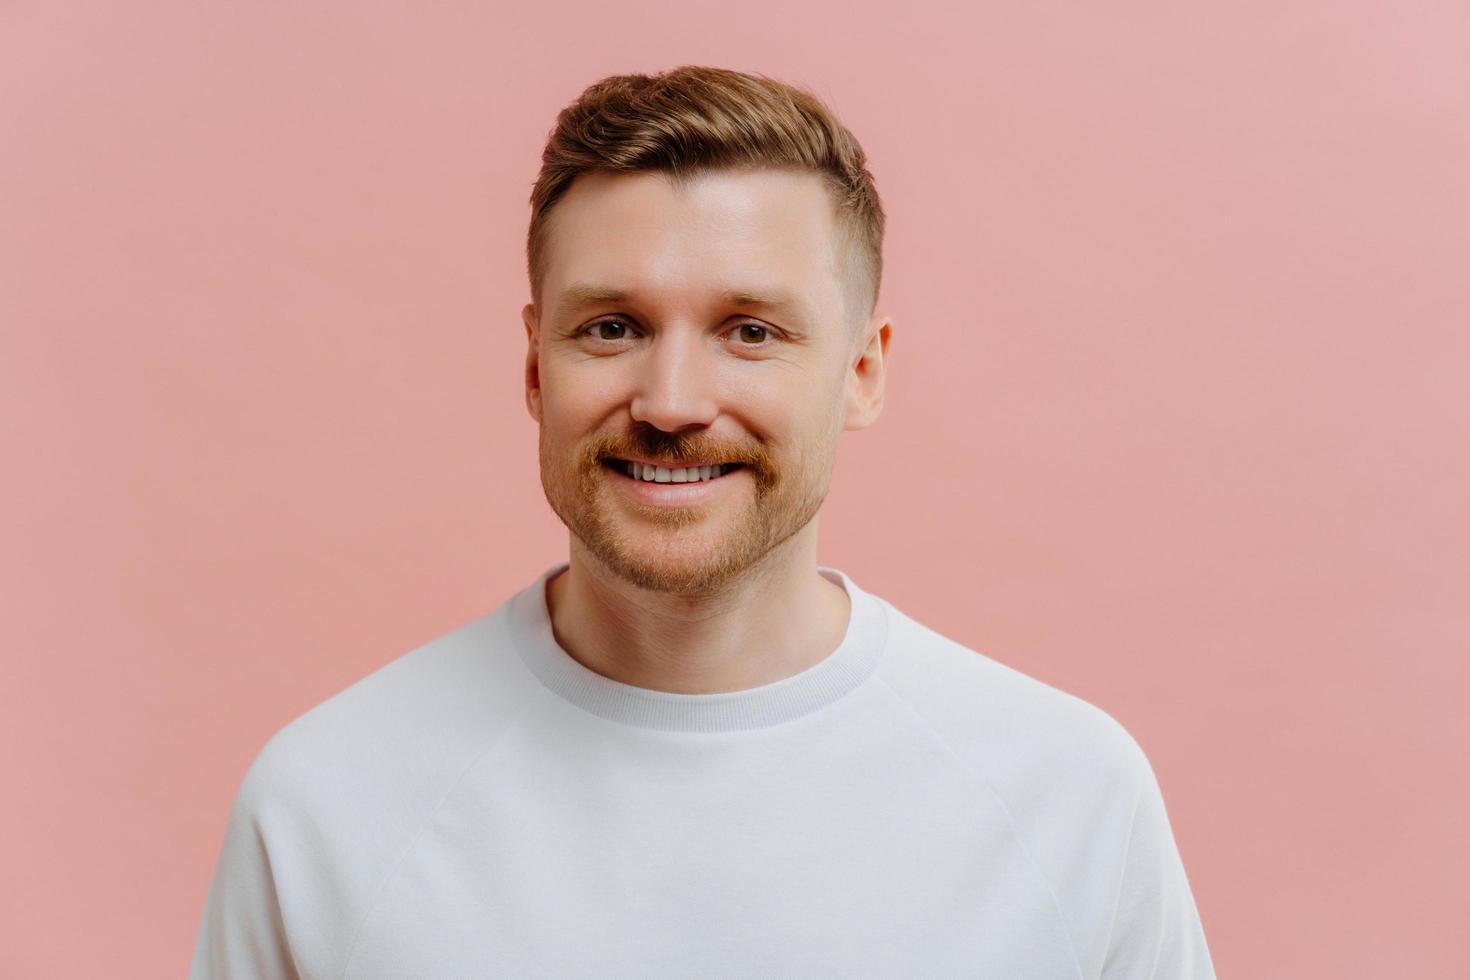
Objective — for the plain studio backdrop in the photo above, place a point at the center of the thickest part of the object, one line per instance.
(1176, 416)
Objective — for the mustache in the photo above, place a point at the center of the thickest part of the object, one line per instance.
(646, 440)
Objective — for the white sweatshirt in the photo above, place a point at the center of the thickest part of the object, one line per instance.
(486, 806)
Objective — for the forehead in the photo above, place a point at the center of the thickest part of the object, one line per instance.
(722, 232)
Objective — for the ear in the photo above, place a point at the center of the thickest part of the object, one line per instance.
(533, 361)
(869, 368)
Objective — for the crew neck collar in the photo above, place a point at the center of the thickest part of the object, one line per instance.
(758, 707)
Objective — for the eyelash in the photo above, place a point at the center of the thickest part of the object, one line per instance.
(770, 331)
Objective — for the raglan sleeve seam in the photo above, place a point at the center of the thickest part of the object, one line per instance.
(1015, 831)
(413, 839)
(1122, 874)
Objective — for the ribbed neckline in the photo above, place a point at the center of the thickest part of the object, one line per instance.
(757, 707)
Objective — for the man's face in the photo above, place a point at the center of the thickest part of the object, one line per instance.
(687, 328)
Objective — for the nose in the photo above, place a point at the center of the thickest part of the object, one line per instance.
(675, 383)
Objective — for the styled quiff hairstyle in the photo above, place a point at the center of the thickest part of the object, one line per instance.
(695, 118)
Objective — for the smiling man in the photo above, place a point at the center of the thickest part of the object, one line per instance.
(691, 384)
(690, 749)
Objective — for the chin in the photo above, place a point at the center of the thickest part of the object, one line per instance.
(691, 566)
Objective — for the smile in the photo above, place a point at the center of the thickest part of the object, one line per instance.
(656, 473)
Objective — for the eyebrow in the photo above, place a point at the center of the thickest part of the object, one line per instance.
(584, 294)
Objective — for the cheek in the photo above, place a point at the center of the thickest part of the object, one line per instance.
(572, 400)
(781, 393)
(812, 409)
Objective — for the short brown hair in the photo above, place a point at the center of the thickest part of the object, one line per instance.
(694, 118)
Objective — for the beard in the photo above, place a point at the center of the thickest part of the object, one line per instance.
(685, 550)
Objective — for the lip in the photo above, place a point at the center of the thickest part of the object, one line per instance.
(674, 464)
(673, 494)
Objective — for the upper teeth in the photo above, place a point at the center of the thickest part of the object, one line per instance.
(663, 474)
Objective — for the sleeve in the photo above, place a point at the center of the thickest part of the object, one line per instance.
(242, 933)
(1156, 934)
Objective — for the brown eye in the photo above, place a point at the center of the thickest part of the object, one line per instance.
(613, 325)
(753, 333)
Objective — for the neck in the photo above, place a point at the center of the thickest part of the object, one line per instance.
(777, 619)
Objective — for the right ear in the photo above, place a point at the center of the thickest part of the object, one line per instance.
(533, 361)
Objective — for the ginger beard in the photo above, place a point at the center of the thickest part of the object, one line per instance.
(692, 549)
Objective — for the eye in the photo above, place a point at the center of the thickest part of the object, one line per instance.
(753, 334)
(612, 330)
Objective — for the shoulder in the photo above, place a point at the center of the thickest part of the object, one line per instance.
(398, 734)
(1069, 778)
(1077, 790)
(1030, 740)
(336, 794)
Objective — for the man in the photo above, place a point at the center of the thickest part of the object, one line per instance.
(690, 750)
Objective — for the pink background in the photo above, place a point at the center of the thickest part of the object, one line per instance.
(1176, 418)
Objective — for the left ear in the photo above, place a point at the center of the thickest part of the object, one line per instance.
(865, 380)
(531, 318)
